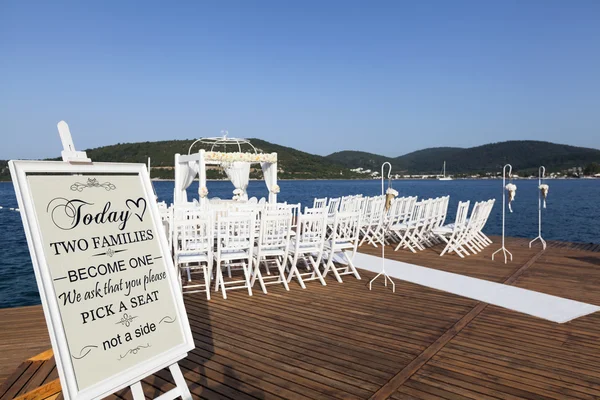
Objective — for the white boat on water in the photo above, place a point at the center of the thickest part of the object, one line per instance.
(444, 177)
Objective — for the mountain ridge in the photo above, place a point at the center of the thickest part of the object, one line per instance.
(524, 155)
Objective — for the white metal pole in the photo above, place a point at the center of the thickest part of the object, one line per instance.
(541, 176)
(503, 248)
(385, 275)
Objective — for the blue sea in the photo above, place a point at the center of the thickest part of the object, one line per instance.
(572, 214)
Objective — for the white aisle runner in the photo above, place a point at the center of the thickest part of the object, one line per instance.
(541, 305)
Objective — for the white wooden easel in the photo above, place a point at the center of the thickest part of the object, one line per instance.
(70, 155)
(385, 275)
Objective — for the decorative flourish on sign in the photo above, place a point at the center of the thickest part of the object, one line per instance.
(92, 183)
(84, 351)
(110, 252)
(126, 320)
(167, 320)
(134, 351)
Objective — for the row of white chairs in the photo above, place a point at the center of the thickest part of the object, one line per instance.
(412, 224)
(253, 240)
(465, 235)
(416, 233)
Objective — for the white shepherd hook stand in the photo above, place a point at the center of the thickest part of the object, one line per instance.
(503, 249)
(542, 175)
(385, 275)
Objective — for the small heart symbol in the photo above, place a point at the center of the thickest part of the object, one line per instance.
(136, 206)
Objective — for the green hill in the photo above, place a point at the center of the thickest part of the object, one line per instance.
(524, 155)
(292, 163)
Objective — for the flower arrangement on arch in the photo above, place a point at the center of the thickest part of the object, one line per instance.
(544, 190)
(203, 192)
(238, 156)
(512, 191)
(275, 189)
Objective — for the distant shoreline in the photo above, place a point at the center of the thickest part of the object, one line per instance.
(379, 179)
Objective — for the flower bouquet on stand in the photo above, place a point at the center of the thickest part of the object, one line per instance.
(544, 191)
(512, 191)
(390, 194)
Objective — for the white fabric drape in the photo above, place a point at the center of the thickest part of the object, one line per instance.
(238, 173)
(270, 175)
(187, 176)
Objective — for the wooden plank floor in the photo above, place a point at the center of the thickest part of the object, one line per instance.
(23, 334)
(342, 341)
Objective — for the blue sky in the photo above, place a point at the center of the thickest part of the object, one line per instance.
(321, 76)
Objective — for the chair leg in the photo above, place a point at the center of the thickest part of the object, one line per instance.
(245, 268)
(257, 274)
(351, 264)
(281, 268)
(315, 265)
(294, 270)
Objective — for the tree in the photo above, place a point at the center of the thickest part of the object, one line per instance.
(592, 169)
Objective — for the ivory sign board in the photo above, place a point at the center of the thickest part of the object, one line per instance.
(108, 286)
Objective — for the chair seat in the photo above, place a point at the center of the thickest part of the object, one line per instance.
(339, 245)
(189, 258)
(234, 254)
(399, 227)
(444, 230)
(266, 252)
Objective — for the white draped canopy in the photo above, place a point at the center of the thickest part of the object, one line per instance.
(236, 166)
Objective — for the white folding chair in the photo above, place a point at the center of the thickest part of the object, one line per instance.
(235, 243)
(307, 245)
(194, 239)
(372, 227)
(272, 247)
(452, 234)
(344, 240)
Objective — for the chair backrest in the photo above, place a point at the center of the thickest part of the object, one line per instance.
(351, 203)
(320, 203)
(194, 236)
(395, 211)
(188, 211)
(312, 228)
(315, 210)
(461, 214)
(346, 229)
(489, 206)
(253, 200)
(236, 231)
(483, 214)
(333, 206)
(262, 200)
(275, 229)
(476, 213)
(419, 213)
(377, 210)
(295, 210)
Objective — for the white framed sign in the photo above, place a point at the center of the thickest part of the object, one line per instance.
(108, 286)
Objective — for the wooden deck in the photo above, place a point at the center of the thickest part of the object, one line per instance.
(342, 341)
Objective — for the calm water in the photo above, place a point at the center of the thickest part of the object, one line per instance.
(573, 214)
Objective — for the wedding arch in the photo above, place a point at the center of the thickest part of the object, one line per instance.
(236, 165)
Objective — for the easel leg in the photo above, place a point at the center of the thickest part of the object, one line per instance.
(137, 391)
(181, 389)
(180, 382)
